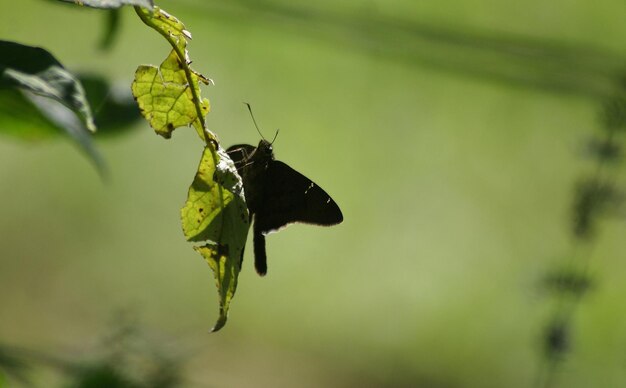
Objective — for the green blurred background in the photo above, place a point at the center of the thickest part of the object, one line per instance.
(452, 135)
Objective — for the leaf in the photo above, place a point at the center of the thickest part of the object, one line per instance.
(21, 118)
(12, 365)
(167, 25)
(111, 3)
(568, 280)
(111, 28)
(226, 272)
(35, 70)
(165, 95)
(115, 107)
(56, 93)
(103, 375)
(215, 211)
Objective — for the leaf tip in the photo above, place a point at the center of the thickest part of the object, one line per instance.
(221, 322)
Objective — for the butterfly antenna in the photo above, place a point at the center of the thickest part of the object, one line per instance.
(254, 121)
(275, 135)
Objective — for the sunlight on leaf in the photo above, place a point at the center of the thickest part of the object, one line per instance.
(167, 25)
(226, 272)
(214, 187)
(165, 94)
(216, 212)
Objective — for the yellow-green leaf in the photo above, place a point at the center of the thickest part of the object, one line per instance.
(215, 211)
(226, 271)
(166, 24)
(169, 95)
(165, 97)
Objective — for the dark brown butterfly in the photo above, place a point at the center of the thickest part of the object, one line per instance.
(278, 195)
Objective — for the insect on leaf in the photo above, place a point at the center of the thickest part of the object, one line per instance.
(215, 211)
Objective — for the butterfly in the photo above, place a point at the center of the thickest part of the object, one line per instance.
(277, 195)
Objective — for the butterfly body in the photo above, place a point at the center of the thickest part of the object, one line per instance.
(277, 195)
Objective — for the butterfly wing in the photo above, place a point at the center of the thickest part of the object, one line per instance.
(278, 195)
(290, 197)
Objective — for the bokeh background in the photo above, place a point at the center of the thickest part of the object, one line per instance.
(452, 134)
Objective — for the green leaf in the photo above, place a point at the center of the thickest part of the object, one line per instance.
(35, 70)
(115, 107)
(12, 365)
(111, 28)
(164, 97)
(111, 3)
(21, 118)
(167, 25)
(56, 93)
(215, 211)
(103, 375)
(226, 272)
(165, 94)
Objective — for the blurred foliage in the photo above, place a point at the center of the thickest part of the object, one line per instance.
(21, 119)
(110, 3)
(38, 96)
(115, 110)
(472, 109)
(546, 64)
(12, 365)
(557, 339)
(111, 29)
(56, 92)
(597, 196)
(124, 359)
(568, 281)
(592, 200)
(101, 376)
(613, 116)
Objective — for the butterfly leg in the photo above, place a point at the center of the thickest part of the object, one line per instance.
(260, 256)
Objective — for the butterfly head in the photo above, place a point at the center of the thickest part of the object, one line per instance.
(265, 150)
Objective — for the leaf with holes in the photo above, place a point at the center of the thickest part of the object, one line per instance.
(215, 212)
(165, 94)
